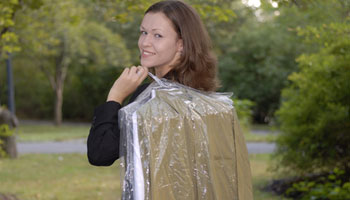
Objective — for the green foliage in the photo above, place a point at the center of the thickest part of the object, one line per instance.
(324, 188)
(4, 132)
(259, 54)
(8, 39)
(244, 111)
(315, 113)
(217, 10)
(33, 94)
(86, 90)
(258, 58)
(56, 38)
(51, 31)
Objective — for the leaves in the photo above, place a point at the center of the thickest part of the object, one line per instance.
(321, 188)
(8, 40)
(5, 130)
(314, 115)
(257, 61)
(218, 10)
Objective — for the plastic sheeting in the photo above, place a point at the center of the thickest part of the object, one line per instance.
(181, 143)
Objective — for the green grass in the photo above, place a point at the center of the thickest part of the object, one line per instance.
(51, 132)
(264, 127)
(250, 137)
(53, 176)
(70, 176)
(259, 164)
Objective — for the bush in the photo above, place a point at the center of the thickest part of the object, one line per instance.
(330, 187)
(315, 113)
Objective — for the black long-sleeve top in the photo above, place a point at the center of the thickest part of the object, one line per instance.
(103, 140)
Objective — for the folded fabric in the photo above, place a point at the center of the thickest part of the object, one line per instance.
(181, 143)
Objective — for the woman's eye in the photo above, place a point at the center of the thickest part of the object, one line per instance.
(157, 35)
(143, 32)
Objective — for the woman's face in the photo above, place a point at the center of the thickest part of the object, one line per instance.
(159, 44)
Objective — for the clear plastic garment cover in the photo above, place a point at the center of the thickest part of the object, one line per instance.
(181, 143)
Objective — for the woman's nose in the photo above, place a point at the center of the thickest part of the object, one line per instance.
(146, 40)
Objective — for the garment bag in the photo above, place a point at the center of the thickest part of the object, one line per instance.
(181, 143)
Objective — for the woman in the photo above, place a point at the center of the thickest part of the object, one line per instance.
(175, 45)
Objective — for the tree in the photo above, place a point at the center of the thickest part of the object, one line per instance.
(57, 36)
(8, 146)
(261, 53)
(48, 35)
(259, 56)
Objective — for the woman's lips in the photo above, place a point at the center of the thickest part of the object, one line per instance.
(146, 54)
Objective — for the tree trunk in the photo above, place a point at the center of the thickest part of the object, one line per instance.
(10, 146)
(60, 76)
(9, 142)
(58, 103)
(57, 80)
(61, 71)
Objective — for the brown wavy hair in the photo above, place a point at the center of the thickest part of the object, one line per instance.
(197, 66)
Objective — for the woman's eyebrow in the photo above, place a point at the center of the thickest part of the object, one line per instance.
(154, 29)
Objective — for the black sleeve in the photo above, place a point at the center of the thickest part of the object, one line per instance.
(103, 140)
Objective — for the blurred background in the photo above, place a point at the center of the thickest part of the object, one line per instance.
(286, 61)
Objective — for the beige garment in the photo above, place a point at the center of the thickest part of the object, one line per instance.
(190, 147)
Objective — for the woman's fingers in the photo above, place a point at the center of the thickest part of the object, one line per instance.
(143, 73)
(133, 70)
(139, 70)
(125, 71)
(127, 83)
(138, 73)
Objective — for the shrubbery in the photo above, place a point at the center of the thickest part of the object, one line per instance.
(315, 113)
(331, 187)
(4, 132)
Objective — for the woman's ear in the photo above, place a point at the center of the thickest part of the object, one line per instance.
(180, 45)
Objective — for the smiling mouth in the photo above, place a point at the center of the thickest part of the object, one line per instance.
(147, 53)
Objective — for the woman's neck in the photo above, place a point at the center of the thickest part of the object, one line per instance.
(160, 73)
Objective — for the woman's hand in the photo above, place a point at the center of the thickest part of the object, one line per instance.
(127, 83)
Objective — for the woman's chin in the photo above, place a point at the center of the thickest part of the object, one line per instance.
(148, 65)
